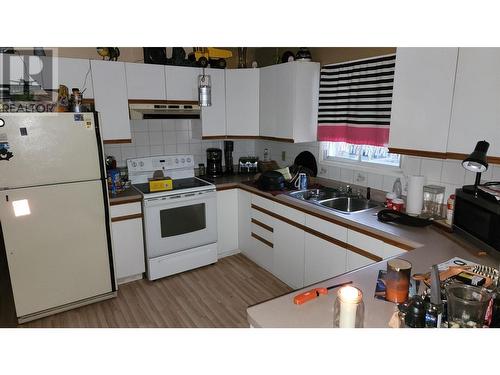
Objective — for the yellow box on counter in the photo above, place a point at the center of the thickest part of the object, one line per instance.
(160, 184)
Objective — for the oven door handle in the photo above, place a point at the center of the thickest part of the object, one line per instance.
(151, 202)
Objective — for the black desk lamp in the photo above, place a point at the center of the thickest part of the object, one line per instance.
(476, 162)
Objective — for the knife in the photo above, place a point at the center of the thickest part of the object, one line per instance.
(299, 299)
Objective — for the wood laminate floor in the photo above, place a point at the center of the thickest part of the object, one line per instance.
(212, 296)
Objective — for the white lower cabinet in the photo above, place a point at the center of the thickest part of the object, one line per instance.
(128, 243)
(250, 236)
(354, 261)
(323, 259)
(288, 262)
(227, 222)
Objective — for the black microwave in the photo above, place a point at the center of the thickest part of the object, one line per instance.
(478, 219)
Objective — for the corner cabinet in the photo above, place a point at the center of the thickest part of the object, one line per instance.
(110, 95)
(242, 102)
(476, 113)
(288, 102)
(422, 99)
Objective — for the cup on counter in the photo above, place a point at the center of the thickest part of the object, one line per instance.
(397, 280)
(398, 204)
(389, 197)
(467, 305)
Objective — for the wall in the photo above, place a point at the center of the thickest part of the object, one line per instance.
(447, 173)
(161, 137)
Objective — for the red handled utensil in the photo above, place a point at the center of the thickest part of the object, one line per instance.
(299, 299)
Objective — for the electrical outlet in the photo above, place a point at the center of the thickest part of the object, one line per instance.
(283, 155)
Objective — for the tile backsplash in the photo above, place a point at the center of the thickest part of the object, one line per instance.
(447, 173)
(161, 137)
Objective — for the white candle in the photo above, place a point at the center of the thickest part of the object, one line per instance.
(349, 300)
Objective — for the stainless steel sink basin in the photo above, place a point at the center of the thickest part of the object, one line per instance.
(314, 195)
(334, 199)
(348, 204)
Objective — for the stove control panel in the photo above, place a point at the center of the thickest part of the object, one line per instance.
(166, 162)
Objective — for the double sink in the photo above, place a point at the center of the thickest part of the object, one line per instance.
(334, 199)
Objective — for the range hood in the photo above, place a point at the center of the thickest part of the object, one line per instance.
(164, 109)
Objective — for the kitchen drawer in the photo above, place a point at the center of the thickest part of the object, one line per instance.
(367, 243)
(289, 213)
(262, 217)
(262, 232)
(262, 202)
(327, 228)
(391, 250)
(125, 209)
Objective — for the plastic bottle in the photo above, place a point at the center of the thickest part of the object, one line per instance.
(266, 154)
(450, 208)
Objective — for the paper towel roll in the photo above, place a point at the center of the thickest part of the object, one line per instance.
(415, 197)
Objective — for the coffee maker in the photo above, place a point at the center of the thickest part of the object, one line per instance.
(228, 156)
(214, 162)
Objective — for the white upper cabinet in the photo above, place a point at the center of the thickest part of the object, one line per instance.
(145, 81)
(213, 118)
(267, 101)
(289, 101)
(242, 102)
(73, 73)
(182, 82)
(110, 94)
(422, 98)
(476, 110)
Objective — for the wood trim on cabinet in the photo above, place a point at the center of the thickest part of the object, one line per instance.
(262, 225)
(425, 154)
(263, 240)
(162, 101)
(126, 217)
(439, 155)
(125, 201)
(457, 156)
(277, 139)
(228, 186)
(116, 141)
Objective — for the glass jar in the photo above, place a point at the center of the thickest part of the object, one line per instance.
(433, 201)
(467, 305)
(397, 280)
(348, 308)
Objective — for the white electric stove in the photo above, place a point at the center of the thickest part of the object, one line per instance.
(180, 225)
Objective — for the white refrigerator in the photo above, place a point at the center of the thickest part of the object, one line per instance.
(54, 212)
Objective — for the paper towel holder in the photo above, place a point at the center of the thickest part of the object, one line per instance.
(476, 162)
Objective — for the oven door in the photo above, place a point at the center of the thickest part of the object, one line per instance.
(179, 222)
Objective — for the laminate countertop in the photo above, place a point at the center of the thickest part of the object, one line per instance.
(128, 196)
(430, 246)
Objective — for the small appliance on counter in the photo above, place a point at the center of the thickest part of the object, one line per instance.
(214, 162)
(248, 164)
(228, 156)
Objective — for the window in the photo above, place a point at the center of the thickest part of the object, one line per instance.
(364, 154)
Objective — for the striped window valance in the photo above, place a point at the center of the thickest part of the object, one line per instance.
(355, 101)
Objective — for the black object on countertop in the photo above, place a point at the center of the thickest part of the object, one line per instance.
(388, 216)
(306, 160)
(271, 180)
